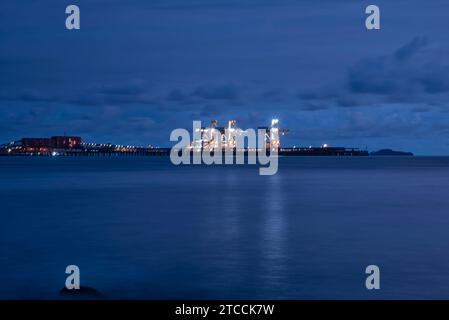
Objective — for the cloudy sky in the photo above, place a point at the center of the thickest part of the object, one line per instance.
(138, 69)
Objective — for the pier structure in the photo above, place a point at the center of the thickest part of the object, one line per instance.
(205, 138)
(74, 146)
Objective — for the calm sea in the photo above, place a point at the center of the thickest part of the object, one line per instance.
(143, 228)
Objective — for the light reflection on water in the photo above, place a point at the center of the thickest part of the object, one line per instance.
(142, 228)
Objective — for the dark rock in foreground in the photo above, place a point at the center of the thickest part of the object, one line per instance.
(389, 152)
(82, 293)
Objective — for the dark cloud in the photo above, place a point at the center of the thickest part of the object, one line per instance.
(213, 95)
(119, 94)
(28, 96)
(176, 95)
(415, 73)
(314, 106)
(422, 109)
(324, 93)
(273, 95)
(409, 49)
(441, 127)
(412, 70)
(91, 99)
(217, 92)
(127, 89)
(93, 95)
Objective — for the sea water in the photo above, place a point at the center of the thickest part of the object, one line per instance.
(142, 228)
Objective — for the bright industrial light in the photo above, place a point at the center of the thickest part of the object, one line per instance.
(274, 122)
(325, 145)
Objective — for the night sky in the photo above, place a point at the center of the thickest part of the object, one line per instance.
(138, 69)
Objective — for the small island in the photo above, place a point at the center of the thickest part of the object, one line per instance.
(389, 152)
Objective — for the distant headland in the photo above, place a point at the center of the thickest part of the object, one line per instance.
(389, 152)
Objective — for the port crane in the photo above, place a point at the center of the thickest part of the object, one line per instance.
(212, 136)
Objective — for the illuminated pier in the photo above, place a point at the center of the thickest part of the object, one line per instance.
(207, 138)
